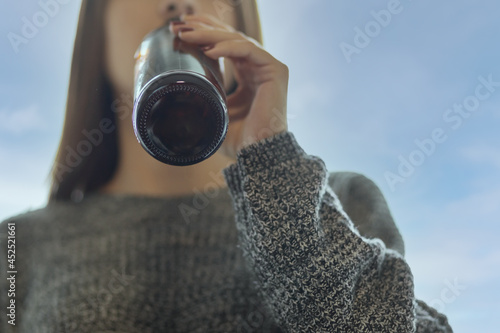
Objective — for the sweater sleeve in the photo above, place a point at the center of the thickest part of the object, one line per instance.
(310, 264)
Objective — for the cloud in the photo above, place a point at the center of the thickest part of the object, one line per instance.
(307, 93)
(477, 206)
(468, 255)
(482, 154)
(461, 242)
(23, 180)
(459, 263)
(22, 120)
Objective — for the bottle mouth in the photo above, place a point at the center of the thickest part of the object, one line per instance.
(180, 118)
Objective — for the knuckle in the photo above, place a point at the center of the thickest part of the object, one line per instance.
(241, 35)
(249, 43)
(244, 44)
(283, 69)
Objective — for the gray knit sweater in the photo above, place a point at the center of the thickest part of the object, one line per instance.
(278, 253)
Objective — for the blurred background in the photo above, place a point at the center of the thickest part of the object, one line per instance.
(405, 92)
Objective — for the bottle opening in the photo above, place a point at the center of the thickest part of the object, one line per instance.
(183, 123)
(180, 119)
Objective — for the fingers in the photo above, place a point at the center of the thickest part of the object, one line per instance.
(204, 25)
(203, 30)
(198, 23)
(242, 49)
(204, 36)
(207, 20)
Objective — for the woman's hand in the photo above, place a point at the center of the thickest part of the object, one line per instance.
(257, 109)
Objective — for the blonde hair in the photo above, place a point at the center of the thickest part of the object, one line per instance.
(88, 151)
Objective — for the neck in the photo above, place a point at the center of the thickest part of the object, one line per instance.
(140, 174)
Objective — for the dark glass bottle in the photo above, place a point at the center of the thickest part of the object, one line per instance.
(180, 114)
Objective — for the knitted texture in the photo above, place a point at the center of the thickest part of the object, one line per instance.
(278, 254)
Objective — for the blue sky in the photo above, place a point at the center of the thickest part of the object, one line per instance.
(361, 113)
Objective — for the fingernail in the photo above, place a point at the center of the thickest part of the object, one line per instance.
(207, 48)
(186, 29)
(177, 22)
(174, 24)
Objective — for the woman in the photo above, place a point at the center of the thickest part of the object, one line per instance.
(127, 244)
